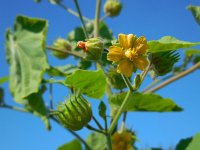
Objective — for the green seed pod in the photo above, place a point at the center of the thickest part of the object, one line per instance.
(115, 79)
(63, 45)
(75, 113)
(92, 47)
(112, 7)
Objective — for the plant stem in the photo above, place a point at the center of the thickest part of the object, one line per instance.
(51, 94)
(104, 17)
(126, 99)
(127, 82)
(174, 78)
(98, 124)
(73, 133)
(120, 111)
(96, 21)
(109, 141)
(81, 18)
(94, 129)
(72, 12)
(14, 108)
(67, 51)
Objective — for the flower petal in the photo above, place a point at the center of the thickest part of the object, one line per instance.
(125, 67)
(141, 45)
(126, 41)
(141, 62)
(115, 53)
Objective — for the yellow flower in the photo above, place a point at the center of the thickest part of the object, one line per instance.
(130, 54)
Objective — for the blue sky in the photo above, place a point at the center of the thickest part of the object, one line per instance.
(153, 19)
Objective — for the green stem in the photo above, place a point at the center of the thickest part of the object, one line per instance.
(126, 100)
(14, 108)
(109, 141)
(81, 18)
(174, 78)
(72, 12)
(51, 94)
(76, 54)
(128, 83)
(98, 124)
(87, 147)
(94, 129)
(120, 111)
(96, 21)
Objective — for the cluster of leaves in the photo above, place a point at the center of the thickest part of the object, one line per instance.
(27, 59)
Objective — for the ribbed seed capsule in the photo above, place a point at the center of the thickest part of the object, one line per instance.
(75, 113)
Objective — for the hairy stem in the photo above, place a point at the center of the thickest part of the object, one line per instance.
(66, 51)
(72, 12)
(87, 147)
(96, 21)
(51, 95)
(97, 123)
(94, 129)
(14, 108)
(81, 18)
(174, 78)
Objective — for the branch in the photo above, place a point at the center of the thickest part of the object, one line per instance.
(72, 12)
(81, 18)
(67, 51)
(14, 108)
(73, 133)
(174, 78)
(96, 21)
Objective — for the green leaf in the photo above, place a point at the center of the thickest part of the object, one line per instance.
(25, 51)
(145, 102)
(190, 52)
(35, 104)
(76, 35)
(102, 109)
(191, 143)
(168, 43)
(61, 71)
(84, 64)
(194, 144)
(195, 10)
(90, 83)
(73, 145)
(163, 62)
(183, 143)
(1, 96)
(96, 141)
(4, 79)
(104, 31)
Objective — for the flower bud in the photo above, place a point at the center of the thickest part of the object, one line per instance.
(92, 47)
(112, 7)
(75, 113)
(63, 45)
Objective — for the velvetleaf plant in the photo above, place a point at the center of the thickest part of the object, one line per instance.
(121, 66)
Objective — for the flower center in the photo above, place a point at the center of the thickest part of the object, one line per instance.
(131, 54)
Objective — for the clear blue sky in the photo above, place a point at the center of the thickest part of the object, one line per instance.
(154, 19)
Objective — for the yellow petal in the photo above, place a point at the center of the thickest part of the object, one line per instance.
(126, 41)
(115, 53)
(141, 45)
(125, 67)
(141, 62)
